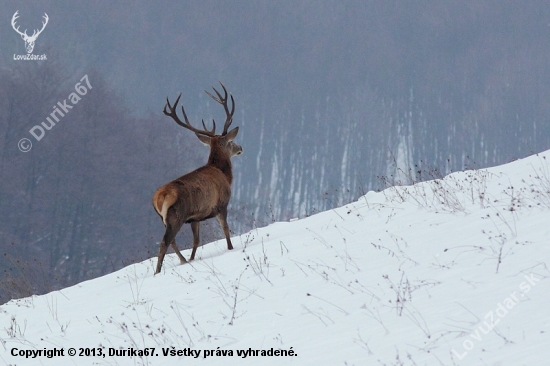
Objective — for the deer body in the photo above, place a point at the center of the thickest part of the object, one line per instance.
(203, 193)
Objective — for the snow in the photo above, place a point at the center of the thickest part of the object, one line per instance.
(445, 272)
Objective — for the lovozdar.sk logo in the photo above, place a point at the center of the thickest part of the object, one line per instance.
(29, 40)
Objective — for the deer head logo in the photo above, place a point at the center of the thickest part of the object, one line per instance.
(29, 40)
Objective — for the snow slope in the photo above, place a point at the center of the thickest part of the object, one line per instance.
(446, 272)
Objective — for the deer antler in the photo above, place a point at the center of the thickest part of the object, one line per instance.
(223, 101)
(172, 113)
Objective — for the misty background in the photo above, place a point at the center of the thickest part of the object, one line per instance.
(333, 99)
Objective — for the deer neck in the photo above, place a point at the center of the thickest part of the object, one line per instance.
(221, 161)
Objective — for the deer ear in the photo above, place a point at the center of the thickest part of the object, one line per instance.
(232, 134)
(204, 139)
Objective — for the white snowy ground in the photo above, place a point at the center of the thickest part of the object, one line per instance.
(446, 272)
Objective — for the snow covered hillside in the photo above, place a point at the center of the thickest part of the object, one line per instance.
(445, 272)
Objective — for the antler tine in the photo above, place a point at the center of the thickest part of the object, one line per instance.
(213, 97)
(172, 113)
(213, 130)
(223, 101)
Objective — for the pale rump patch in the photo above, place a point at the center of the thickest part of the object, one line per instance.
(162, 201)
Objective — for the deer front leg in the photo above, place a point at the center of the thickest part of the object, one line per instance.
(222, 219)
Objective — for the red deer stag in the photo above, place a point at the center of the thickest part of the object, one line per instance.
(203, 193)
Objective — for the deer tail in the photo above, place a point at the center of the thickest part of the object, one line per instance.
(163, 199)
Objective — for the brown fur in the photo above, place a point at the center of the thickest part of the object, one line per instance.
(199, 195)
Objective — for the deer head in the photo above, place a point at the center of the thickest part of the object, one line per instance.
(218, 143)
(29, 40)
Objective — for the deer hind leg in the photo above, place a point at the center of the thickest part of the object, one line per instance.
(222, 219)
(169, 237)
(162, 252)
(178, 253)
(195, 227)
